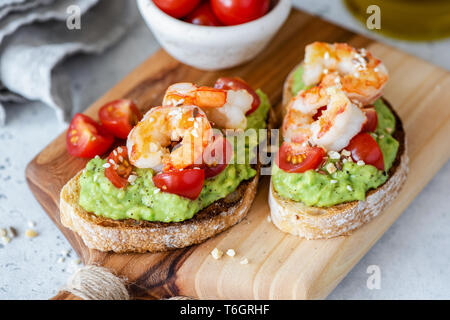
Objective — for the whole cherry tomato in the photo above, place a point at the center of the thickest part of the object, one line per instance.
(203, 15)
(119, 117)
(217, 156)
(187, 183)
(86, 138)
(238, 84)
(119, 167)
(232, 12)
(364, 147)
(176, 8)
(299, 159)
(372, 120)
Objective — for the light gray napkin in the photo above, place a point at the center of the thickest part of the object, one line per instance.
(36, 42)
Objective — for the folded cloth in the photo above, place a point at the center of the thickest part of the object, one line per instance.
(36, 42)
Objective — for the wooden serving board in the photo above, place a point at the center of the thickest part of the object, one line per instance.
(280, 266)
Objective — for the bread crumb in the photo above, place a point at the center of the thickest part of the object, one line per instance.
(30, 233)
(217, 254)
(31, 224)
(231, 253)
(244, 261)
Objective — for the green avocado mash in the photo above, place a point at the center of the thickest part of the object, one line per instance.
(143, 201)
(349, 184)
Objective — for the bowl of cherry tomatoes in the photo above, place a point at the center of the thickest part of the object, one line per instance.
(214, 34)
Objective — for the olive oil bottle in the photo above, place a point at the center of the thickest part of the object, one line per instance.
(414, 20)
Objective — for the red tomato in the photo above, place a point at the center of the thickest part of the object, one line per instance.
(86, 138)
(186, 183)
(372, 120)
(119, 117)
(216, 157)
(232, 12)
(238, 84)
(120, 167)
(176, 8)
(203, 15)
(299, 160)
(364, 147)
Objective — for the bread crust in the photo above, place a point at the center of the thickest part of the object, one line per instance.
(322, 223)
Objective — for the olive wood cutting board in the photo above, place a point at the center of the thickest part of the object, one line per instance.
(280, 266)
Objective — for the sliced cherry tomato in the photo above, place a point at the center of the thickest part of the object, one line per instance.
(119, 167)
(86, 138)
(186, 183)
(364, 147)
(203, 15)
(217, 156)
(299, 159)
(372, 120)
(232, 12)
(119, 117)
(176, 8)
(238, 84)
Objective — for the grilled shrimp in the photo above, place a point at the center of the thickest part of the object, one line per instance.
(324, 117)
(360, 75)
(226, 108)
(149, 143)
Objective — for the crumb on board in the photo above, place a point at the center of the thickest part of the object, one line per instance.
(231, 253)
(217, 253)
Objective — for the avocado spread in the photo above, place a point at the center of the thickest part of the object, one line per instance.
(349, 184)
(144, 201)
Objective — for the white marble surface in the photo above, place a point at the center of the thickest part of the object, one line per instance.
(413, 255)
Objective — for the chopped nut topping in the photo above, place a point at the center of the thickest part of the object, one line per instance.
(345, 153)
(231, 253)
(389, 130)
(217, 254)
(244, 261)
(360, 163)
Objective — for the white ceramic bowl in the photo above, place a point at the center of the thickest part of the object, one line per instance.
(213, 48)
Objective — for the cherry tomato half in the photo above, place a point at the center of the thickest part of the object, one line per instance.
(217, 156)
(232, 12)
(119, 117)
(299, 159)
(86, 138)
(120, 167)
(238, 84)
(203, 16)
(176, 8)
(364, 147)
(372, 120)
(186, 183)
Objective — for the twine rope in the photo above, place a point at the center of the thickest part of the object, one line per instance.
(97, 283)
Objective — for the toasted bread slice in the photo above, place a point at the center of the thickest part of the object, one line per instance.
(129, 235)
(319, 223)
